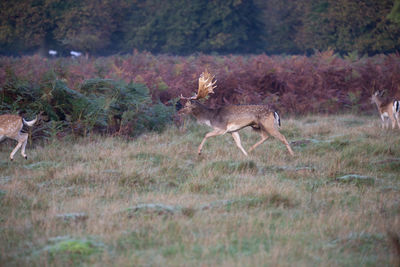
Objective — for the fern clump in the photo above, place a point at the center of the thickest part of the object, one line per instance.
(99, 105)
(128, 108)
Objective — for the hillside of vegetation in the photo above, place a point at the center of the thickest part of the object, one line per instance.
(131, 94)
(152, 201)
(104, 27)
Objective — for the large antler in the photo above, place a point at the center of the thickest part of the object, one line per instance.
(206, 86)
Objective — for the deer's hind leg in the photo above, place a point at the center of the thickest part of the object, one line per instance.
(275, 133)
(22, 139)
(396, 115)
(264, 136)
(393, 120)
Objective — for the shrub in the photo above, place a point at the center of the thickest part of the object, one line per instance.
(100, 105)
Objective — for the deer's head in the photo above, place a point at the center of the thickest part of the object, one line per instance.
(206, 87)
(376, 96)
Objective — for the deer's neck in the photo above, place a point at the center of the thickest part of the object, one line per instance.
(203, 113)
(378, 103)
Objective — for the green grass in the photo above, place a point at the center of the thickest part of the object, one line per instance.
(153, 201)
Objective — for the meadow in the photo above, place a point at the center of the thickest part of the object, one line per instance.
(152, 201)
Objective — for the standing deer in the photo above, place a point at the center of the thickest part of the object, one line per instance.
(232, 118)
(387, 110)
(11, 126)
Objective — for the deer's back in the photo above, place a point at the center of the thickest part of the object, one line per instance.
(243, 112)
(10, 124)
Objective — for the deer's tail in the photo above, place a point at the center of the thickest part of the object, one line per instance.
(396, 106)
(277, 119)
(29, 123)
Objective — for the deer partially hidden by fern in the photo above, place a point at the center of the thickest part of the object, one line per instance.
(387, 110)
(11, 126)
(232, 118)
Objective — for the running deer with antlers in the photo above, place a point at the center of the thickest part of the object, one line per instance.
(11, 126)
(387, 110)
(232, 118)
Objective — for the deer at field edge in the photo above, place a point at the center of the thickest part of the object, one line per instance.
(387, 110)
(11, 126)
(232, 118)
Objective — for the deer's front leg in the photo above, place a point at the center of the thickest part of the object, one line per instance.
(210, 134)
(383, 121)
(236, 137)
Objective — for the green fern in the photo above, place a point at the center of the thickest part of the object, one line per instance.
(93, 108)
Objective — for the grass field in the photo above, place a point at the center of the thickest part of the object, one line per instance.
(153, 201)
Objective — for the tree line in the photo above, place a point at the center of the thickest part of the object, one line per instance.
(103, 27)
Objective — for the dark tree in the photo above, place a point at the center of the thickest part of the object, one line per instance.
(193, 26)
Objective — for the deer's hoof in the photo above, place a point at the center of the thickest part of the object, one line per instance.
(26, 157)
